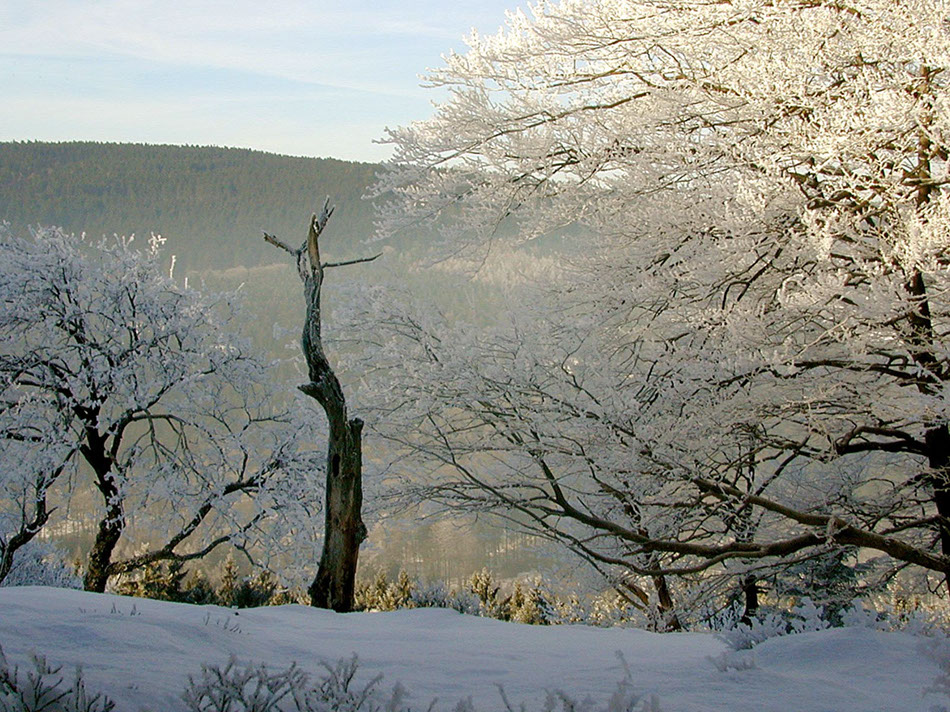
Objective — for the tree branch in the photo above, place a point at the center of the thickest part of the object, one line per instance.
(277, 243)
(351, 262)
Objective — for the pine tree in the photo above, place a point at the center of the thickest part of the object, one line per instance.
(229, 581)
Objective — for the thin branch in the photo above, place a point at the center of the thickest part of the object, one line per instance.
(351, 262)
(277, 243)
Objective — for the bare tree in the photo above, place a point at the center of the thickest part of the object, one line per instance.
(344, 531)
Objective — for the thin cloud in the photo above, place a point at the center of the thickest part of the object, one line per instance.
(360, 49)
(356, 58)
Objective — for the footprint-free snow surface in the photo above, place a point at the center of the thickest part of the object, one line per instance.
(141, 652)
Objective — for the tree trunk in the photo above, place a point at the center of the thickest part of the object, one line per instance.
(923, 337)
(937, 440)
(100, 557)
(750, 598)
(344, 531)
(936, 436)
(669, 622)
(113, 523)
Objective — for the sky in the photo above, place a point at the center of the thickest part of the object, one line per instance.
(301, 77)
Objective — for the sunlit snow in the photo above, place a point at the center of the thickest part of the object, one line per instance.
(141, 652)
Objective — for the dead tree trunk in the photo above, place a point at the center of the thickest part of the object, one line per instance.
(344, 530)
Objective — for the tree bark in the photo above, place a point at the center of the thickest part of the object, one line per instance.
(344, 531)
(937, 440)
(669, 621)
(100, 556)
(113, 523)
(750, 598)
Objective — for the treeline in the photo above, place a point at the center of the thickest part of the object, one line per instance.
(210, 203)
(794, 608)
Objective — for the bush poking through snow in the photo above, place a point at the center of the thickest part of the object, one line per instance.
(253, 689)
(44, 689)
(40, 563)
(337, 692)
(623, 699)
(803, 618)
(246, 689)
(436, 595)
(733, 660)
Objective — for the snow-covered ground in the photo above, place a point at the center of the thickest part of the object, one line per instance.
(141, 652)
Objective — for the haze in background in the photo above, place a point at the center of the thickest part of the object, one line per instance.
(211, 205)
(299, 77)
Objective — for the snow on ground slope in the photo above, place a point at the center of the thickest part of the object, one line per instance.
(141, 652)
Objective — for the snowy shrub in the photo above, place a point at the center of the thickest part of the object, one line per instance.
(253, 688)
(431, 595)
(733, 660)
(532, 601)
(879, 614)
(569, 610)
(899, 610)
(803, 618)
(623, 699)
(436, 595)
(611, 609)
(859, 616)
(745, 636)
(338, 693)
(528, 603)
(160, 580)
(44, 689)
(923, 623)
(246, 689)
(41, 564)
(478, 598)
(806, 617)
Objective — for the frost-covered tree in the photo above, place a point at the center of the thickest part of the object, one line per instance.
(111, 371)
(745, 360)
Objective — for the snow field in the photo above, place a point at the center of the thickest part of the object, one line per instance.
(140, 652)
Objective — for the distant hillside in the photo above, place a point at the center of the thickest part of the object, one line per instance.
(211, 203)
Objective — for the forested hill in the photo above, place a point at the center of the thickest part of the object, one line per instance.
(211, 203)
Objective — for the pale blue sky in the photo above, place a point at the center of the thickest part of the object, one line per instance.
(303, 77)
